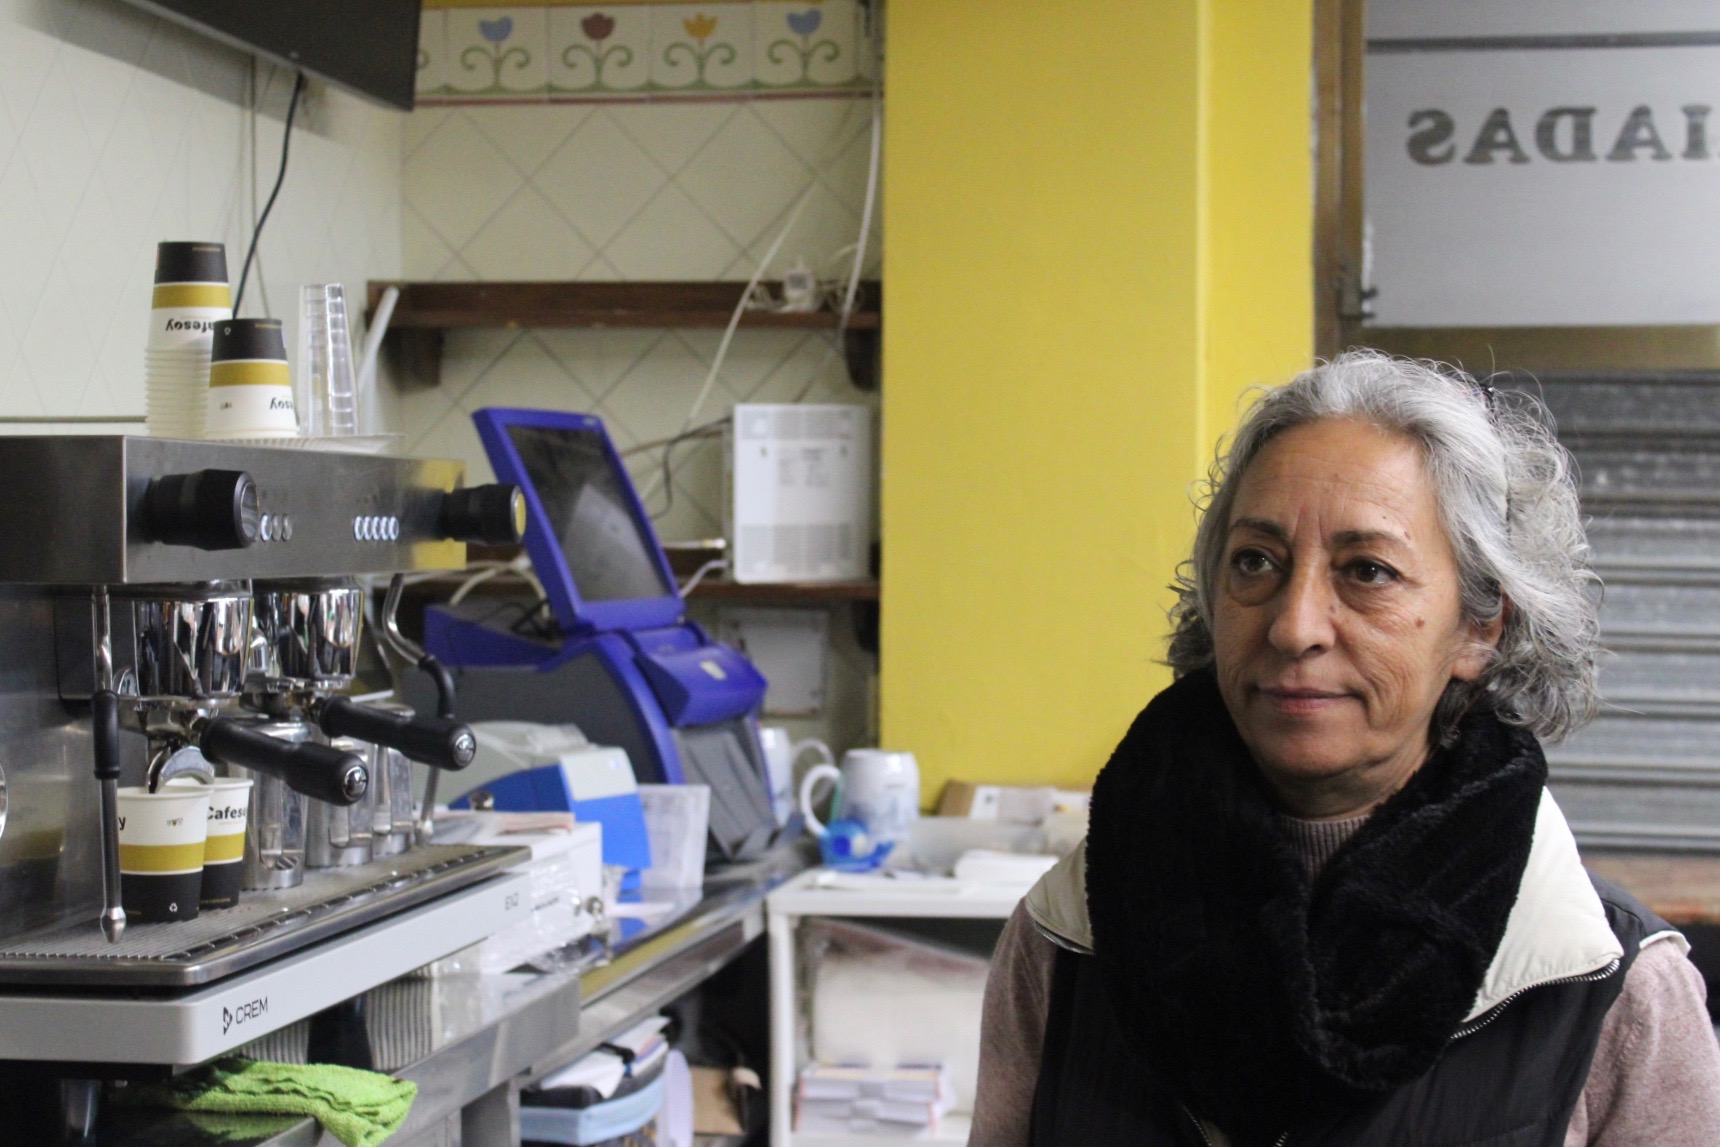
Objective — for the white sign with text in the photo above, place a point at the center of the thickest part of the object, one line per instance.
(1543, 187)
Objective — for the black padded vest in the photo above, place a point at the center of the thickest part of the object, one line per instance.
(1512, 1082)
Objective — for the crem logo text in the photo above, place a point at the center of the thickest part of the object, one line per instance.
(244, 1013)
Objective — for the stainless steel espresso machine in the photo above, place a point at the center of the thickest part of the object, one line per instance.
(172, 609)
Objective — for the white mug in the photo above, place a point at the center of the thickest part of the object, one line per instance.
(880, 789)
(780, 754)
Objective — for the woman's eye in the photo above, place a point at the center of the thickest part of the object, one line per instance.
(1250, 563)
(1371, 573)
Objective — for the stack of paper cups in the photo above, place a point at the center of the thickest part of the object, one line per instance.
(191, 296)
(250, 387)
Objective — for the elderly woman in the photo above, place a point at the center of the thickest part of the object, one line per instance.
(1325, 897)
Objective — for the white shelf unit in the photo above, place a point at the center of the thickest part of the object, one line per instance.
(820, 892)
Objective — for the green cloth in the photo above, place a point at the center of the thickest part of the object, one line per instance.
(360, 1108)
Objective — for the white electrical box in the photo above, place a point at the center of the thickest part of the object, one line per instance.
(800, 492)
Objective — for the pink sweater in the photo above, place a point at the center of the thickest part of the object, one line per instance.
(1654, 1082)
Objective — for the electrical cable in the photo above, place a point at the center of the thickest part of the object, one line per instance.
(872, 163)
(665, 475)
(710, 567)
(850, 296)
(657, 443)
(280, 178)
(254, 97)
(741, 306)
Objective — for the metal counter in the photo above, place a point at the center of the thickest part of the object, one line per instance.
(471, 1041)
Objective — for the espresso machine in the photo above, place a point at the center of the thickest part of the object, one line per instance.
(173, 609)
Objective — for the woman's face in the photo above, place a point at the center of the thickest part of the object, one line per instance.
(1336, 623)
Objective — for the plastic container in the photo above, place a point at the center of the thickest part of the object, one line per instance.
(677, 819)
(327, 400)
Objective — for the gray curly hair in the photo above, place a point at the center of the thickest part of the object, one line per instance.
(1507, 498)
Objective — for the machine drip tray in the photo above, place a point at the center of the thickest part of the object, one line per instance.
(263, 926)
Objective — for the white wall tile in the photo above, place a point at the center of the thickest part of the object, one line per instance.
(528, 134)
(526, 239)
(432, 76)
(671, 238)
(746, 184)
(599, 49)
(496, 51)
(527, 375)
(451, 179)
(600, 179)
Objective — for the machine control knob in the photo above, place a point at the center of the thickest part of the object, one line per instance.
(209, 509)
(493, 514)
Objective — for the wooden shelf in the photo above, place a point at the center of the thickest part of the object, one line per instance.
(711, 589)
(815, 593)
(428, 309)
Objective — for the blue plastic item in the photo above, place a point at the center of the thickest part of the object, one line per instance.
(847, 846)
(620, 661)
(554, 788)
(583, 1126)
(577, 495)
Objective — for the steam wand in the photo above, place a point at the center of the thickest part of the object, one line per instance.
(409, 650)
(104, 714)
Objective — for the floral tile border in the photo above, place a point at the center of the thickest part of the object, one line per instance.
(575, 53)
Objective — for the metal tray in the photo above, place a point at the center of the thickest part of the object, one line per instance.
(261, 927)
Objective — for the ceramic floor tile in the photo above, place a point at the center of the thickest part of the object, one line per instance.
(698, 505)
(468, 356)
(101, 92)
(601, 270)
(18, 397)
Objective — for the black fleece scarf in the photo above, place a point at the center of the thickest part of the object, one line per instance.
(1268, 1000)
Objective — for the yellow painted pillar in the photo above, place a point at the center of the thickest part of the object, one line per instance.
(1098, 222)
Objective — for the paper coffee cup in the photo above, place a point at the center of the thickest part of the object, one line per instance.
(191, 295)
(250, 387)
(224, 852)
(161, 841)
